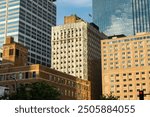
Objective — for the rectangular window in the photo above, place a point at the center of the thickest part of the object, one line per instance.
(1, 77)
(125, 91)
(27, 75)
(34, 74)
(11, 51)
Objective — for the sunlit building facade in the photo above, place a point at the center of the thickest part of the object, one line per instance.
(76, 51)
(126, 66)
(29, 22)
(14, 72)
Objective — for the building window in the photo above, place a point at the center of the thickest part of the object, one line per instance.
(27, 75)
(125, 91)
(130, 85)
(131, 96)
(11, 51)
(130, 74)
(124, 80)
(118, 85)
(137, 73)
(131, 90)
(125, 96)
(117, 80)
(117, 75)
(1, 77)
(34, 74)
(137, 79)
(137, 84)
(143, 84)
(130, 79)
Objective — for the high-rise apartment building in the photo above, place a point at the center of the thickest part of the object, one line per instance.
(126, 66)
(141, 15)
(29, 22)
(76, 51)
(113, 16)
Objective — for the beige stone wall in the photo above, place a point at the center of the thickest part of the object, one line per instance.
(76, 51)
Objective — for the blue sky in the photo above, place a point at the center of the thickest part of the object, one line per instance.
(82, 8)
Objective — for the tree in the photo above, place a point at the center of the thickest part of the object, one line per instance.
(35, 91)
(108, 97)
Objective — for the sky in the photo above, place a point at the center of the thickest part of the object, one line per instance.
(81, 8)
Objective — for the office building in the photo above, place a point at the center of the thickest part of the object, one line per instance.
(126, 66)
(29, 22)
(15, 71)
(141, 15)
(76, 50)
(113, 16)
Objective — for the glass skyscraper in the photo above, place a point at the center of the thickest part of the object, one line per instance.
(29, 22)
(113, 16)
(141, 15)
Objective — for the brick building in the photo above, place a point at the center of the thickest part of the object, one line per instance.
(15, 71)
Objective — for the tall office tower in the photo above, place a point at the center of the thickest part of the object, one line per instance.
(126, 66)
(141, 15)
(29, 22)
(76, 51)
(113, 16)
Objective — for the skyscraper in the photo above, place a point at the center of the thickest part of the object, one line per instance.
(29, 22)
(113, 16)
(76, 51)
(141, 15)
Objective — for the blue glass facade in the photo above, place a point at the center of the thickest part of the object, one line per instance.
(113, 16)
(9, 19)
(29, 22)
(141, 15)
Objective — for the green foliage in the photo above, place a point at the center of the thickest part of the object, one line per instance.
(35, 91)
(108, 97)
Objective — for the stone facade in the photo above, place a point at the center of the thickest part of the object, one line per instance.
(76, 51)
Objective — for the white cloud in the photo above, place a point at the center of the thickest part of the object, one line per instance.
(119, 26)
(78, 3)
(121, 21)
